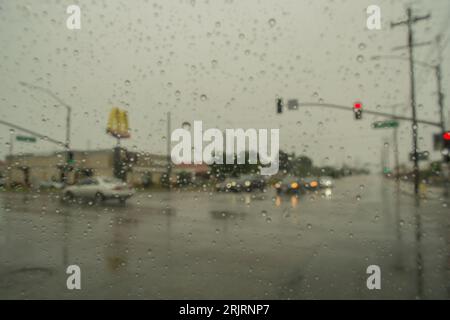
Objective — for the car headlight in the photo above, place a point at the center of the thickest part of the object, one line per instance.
(278, 185)
(233, 183)
(294, 185)
(247, 183)
(228, 185)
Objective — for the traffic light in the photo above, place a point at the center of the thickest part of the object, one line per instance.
(446, 145)
(446, 139)
(279, 105)
(357, 110)
(70, 159)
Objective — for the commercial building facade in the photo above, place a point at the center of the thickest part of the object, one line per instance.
(33, 169)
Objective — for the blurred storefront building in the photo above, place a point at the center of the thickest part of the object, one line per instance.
(137, 168)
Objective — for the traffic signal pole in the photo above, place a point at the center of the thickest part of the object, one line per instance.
(409, 23)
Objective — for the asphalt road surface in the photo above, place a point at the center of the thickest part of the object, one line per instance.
(201, 245)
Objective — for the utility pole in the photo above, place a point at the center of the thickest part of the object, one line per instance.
(409, 23)
(169, 161)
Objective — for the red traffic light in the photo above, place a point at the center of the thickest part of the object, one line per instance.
(446, 136)
(357, 105)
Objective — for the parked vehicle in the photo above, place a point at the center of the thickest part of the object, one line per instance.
(49, 184)
(246, 183)
(251, 182)
(290, 184)
(326, 182)
(227, 185)
(99, 188)
(310, 183)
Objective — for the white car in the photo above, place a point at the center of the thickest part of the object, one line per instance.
(99, 188)
(48, 184)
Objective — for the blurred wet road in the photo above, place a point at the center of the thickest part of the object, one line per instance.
(201, 245)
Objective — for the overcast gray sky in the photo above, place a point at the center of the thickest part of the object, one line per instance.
(150, 57)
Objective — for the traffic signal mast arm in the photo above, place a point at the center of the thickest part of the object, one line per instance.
(33, 133)
(376, 113)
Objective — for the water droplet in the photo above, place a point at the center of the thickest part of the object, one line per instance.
(272, 22)
(186, 126)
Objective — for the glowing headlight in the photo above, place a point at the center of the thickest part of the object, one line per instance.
(277, 185)
(228, 185)
(294, 185)
(233, 183)
(247, 183)
(313, 184)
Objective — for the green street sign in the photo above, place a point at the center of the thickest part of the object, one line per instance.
(25, 139)
(385, 124)
(420, 155)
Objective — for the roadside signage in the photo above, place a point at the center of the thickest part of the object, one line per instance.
(385, 124)
(420, 155)
(293, 104)
(25, 139)
(118, 124)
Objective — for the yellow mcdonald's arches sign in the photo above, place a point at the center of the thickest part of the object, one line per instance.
(118, 123)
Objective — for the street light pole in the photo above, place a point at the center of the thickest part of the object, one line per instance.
(438, 74)
(68, 120)
(437, 71)
(444, 167)
(61, 102)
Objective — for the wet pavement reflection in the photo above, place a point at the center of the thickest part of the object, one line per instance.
(228, 245)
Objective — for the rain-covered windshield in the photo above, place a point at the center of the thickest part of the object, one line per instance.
(249, 149)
